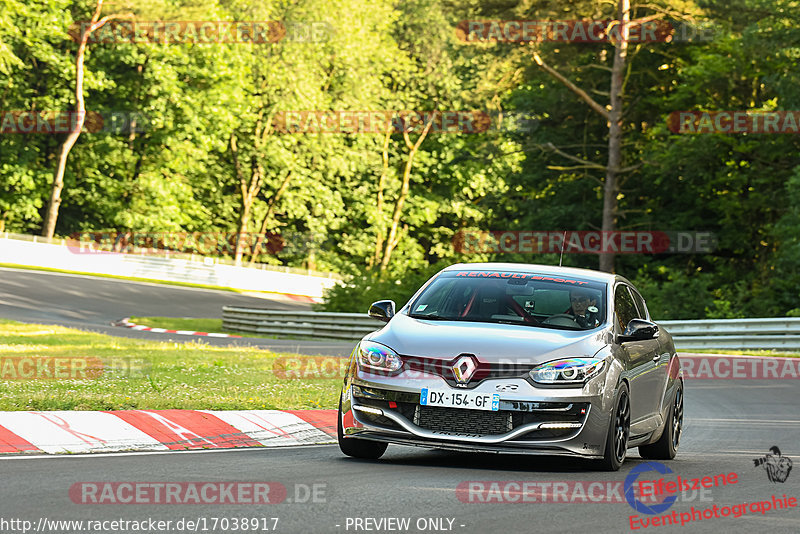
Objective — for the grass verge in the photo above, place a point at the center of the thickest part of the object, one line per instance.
(139, 374)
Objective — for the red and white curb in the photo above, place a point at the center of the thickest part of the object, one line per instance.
(303, 298)
(133, 326)
(160, 430)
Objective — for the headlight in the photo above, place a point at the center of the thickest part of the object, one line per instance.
(566, 371)
(378, 357)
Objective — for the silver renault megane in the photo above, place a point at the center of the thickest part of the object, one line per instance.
(502, 357)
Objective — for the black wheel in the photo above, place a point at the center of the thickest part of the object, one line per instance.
(357, 448)
(619, 430)
(667, 445)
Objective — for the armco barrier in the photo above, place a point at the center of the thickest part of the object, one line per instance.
(351, 326)
(40, 252)
(775, 333)
(767, 333)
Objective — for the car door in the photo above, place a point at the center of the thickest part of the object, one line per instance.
(661, 357)
(640, 363)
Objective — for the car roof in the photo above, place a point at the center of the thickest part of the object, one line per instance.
(587, 274)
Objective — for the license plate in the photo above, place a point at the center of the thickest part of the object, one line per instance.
(469, 400)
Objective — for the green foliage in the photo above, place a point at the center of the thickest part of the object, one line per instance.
(359, 291)
(176, 172)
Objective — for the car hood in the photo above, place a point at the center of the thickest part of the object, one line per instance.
(488, 341)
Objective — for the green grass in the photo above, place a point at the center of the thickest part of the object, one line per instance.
(744, 352)
(166, 375)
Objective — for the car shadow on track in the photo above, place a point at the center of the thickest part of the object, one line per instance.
(442, 459)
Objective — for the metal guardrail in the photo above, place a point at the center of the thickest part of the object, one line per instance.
(350, 326)
(767, 333)
(772, 333)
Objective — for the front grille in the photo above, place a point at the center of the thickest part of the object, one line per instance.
(483, 371)
(458, 421)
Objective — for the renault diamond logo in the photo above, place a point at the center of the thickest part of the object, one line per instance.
(464, 368)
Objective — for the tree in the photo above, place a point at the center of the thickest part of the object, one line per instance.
(393, 237)
(49, 226)
(613, 113)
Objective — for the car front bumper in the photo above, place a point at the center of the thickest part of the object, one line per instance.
(530, 420)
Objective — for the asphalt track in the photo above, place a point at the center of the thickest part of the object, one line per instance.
(729, 423)
(92, 303)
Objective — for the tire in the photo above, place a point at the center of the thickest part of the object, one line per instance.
(619, 430)
(667, 445)
(357, 448)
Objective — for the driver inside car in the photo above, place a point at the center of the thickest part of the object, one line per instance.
(583, 308)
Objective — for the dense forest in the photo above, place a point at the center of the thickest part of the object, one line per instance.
(231, 135)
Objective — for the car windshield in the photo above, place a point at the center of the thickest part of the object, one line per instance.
(526, 299)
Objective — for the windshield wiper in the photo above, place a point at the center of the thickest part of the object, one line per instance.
(431, 317)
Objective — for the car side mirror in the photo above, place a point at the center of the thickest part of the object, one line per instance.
(383, 310)
(638, 330)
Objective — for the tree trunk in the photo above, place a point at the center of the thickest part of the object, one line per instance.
(393, 239)
(244, 220)
(610, 187)
(613, 116)
(249, 188)
(49, 225)
(376, 258)
(270, 210)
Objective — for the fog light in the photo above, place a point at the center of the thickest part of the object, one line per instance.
(554, 426)
(368, 409)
